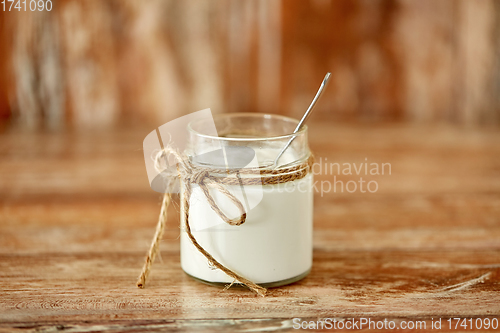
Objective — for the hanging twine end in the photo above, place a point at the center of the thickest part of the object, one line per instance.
(261, 291)
(141, 282)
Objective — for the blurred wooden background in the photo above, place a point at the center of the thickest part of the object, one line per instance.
(101, 63)
(77, 213)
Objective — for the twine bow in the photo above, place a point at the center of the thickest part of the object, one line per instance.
(204, 180)
(190, 174)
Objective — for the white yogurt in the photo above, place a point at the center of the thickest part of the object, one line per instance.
(275, 242)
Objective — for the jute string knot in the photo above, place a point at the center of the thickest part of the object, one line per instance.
(198, 178)
(203, 179)
(190, 174)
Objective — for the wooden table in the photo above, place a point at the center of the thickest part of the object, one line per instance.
(77, 216)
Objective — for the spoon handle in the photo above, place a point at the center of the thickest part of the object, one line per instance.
(305, 116)
(313, 103)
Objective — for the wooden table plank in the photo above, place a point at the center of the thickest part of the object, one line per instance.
(77, 215)
(358, 283)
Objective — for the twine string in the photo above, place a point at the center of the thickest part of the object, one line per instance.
(155, 244)
(203, 177)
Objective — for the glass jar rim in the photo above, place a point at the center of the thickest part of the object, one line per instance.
(249, 114)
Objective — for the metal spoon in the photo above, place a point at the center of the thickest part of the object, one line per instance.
(304, 117)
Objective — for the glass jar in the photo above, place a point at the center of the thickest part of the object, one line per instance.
(273, 246)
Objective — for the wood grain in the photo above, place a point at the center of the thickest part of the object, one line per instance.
(77, 215)
(91, 64)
